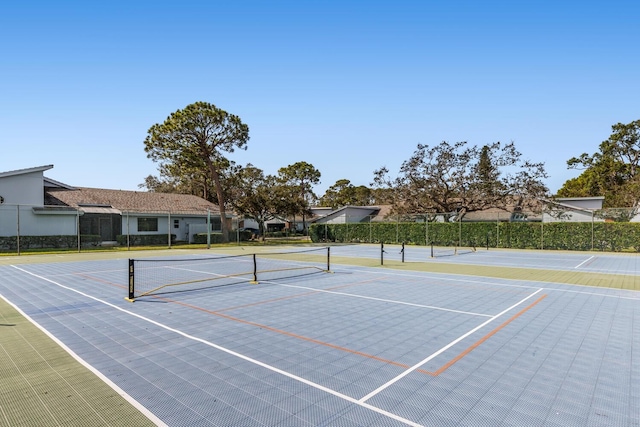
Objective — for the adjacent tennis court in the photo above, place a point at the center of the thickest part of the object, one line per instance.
(408, 343)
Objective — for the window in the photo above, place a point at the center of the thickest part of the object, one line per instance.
(147, 224)
(176, 223)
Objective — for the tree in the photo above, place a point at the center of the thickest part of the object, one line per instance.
(343, 193)
(157, 185)
(457, 178)
(255, 195)
(613, 172)
(195, 139)
(172, 181)
(300, 177)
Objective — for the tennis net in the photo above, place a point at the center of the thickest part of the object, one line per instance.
(444, 251)
(152, 276)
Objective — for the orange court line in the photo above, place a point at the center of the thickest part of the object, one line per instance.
(485, 338)
(86, 276)
(336, 347)
(356, 352)
(290, 334)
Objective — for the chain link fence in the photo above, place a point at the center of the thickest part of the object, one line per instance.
(34, 228)
(568, 229)
(38, 228)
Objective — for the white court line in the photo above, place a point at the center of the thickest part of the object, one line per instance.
(585, 261)
(433, 307)
(464, 278)
(451, 344)
(596, 294)
(210, 344)
(150, 415)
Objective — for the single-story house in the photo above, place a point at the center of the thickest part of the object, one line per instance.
(347, 214)
(34, 205)
(573, 209)
(322, 215)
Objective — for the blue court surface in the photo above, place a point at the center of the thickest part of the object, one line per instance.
(360, 346)
(590, 262)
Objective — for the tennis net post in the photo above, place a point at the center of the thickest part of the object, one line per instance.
(255, 270)
(131, 296)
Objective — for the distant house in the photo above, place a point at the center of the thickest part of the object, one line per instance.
(382, 213)
(22, 207)
(32, 204)
(500, 215)
(324, 215)
(345, 214)
(573, 209)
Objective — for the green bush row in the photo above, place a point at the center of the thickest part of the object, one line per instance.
(144, 239)
(201, 238)
(53, 242)
(576, 236)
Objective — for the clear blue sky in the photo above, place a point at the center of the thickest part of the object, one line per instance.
(348, 86)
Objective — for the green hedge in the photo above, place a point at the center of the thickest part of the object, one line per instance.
(576, 236)
(48, 242)
(201, 238)
(144, 239)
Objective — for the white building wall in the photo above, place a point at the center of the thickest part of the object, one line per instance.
(187, 226)
(130, 224)
(50, 225)
(570, 216)
(8, 220)
(587, 203)
(21, 220)
(197, 226)
(23, 189)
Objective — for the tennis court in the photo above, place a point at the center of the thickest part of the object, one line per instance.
(414, 344)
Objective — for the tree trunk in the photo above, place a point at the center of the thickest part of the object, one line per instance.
(223, 212)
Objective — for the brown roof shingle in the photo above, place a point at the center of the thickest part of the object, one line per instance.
(130, 201)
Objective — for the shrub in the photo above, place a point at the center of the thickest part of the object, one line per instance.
(576, 236)
(144, 239)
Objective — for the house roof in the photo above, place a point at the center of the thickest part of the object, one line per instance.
(95, 200)
(577, 203)
(490, 214)
(365, 210)
(573, 199)
(25, 171)
(52, 183)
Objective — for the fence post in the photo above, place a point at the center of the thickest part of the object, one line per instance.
(209, 227)
(78, 228)
(592, 231)
(426, 230)
(128, 237)
(18, 229)
(347, 224)
(169, 228)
